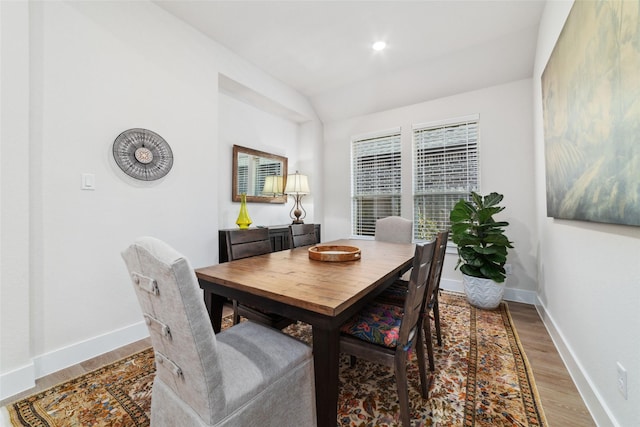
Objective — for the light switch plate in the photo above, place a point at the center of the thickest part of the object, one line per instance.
(88, 181)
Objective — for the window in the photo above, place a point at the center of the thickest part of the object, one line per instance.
(376, 180)
(445, 169)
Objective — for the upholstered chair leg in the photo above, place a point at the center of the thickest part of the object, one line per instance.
(436, 318)
(403, 387)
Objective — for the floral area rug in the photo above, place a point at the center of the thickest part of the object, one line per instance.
(482, 378)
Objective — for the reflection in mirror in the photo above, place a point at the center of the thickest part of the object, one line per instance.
(262, 176)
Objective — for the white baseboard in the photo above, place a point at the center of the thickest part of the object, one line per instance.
(23, 379)
(600, 412)
(16, 381)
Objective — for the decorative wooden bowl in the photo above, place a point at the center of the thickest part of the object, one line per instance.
(334, 253)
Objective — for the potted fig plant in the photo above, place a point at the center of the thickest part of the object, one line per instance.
(482, 248)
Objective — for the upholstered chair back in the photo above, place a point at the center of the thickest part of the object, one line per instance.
(181, 333)
(394, 229)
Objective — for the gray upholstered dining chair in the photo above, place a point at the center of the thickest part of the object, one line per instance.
(302, 235)
(386, 333)
(248, 374)
(398, 291)
(394, 229)
(244, 244)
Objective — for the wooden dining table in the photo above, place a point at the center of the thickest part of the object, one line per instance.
(320, 293)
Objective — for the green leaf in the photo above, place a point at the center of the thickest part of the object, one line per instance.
(492, 199)
(470, 271)
(500, 224)
(485, 250)
(460, 227)
(462, 211)
(485, 215)
(497, 239)
(497, 258)
(467, 240)
(477, 199)
(492, 273)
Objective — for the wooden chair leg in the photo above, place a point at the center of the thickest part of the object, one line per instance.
(236, 316)
(403, 387)
(422, 367)
(429, 341)
(436, 318)
(352, 361)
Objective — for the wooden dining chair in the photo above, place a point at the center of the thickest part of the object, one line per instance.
(394, 229)
(302, 235)
(432, 300)
(244, 244)
(386, 333)
(398, 291)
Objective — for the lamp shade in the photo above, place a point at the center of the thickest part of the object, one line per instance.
(297, 184)
(273, 184)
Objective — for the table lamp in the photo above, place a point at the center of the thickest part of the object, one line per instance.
(297, 186)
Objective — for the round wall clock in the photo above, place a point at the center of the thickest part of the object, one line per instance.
(142, 154)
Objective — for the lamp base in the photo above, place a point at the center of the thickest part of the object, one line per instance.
(297, 211)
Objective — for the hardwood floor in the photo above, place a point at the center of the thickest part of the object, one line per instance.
(80, 369)
(561, 402)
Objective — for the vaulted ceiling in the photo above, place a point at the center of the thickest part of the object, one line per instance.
(323, 48)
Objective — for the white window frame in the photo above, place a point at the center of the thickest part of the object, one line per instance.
(379, 185)
(452, 160)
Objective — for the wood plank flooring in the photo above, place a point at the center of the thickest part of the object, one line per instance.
(561, 401)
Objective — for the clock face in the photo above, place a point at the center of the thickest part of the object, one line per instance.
(142, 154)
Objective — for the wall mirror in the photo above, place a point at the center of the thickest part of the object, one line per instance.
(262, 176)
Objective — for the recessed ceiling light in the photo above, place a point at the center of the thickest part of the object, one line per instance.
(379, 45)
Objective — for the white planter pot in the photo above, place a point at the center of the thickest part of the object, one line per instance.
(483, 293)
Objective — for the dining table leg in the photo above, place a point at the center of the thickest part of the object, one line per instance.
(326, 358)
(214, 304)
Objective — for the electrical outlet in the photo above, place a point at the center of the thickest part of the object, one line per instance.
(622, 380)
(507, 269)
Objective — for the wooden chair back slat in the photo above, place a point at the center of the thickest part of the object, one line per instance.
(247, 243)
(418, 285)
(302, 235)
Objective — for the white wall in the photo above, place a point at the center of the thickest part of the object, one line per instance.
(97, 69)
(14, 196)
(589, 280)
(245, 125)
(505, 166)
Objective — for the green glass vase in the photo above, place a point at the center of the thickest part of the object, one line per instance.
(243, 220)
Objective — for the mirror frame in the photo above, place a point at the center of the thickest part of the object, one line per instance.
(235, 196)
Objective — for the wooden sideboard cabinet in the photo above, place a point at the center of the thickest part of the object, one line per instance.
(278, 234)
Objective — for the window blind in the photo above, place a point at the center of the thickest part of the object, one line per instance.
(243, 174)
(445, 169)
(376, 180)
(265, 168)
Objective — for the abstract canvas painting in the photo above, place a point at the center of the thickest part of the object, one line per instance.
(591, 104)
